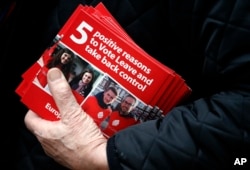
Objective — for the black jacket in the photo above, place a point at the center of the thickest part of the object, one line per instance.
(207, 42)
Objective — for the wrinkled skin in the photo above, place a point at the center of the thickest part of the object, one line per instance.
(74, 141)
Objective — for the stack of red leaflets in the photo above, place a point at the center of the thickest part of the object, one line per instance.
(99, 43)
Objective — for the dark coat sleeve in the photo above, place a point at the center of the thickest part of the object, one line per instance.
(207, 42)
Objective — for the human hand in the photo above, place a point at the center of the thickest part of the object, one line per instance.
(74, 141)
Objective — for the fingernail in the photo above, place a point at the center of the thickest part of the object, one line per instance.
(54, 74)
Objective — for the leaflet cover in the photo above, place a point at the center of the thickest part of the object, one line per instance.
(115, 81)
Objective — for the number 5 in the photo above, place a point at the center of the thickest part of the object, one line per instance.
(81, 29)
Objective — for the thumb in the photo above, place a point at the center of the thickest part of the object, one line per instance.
(63, 96)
